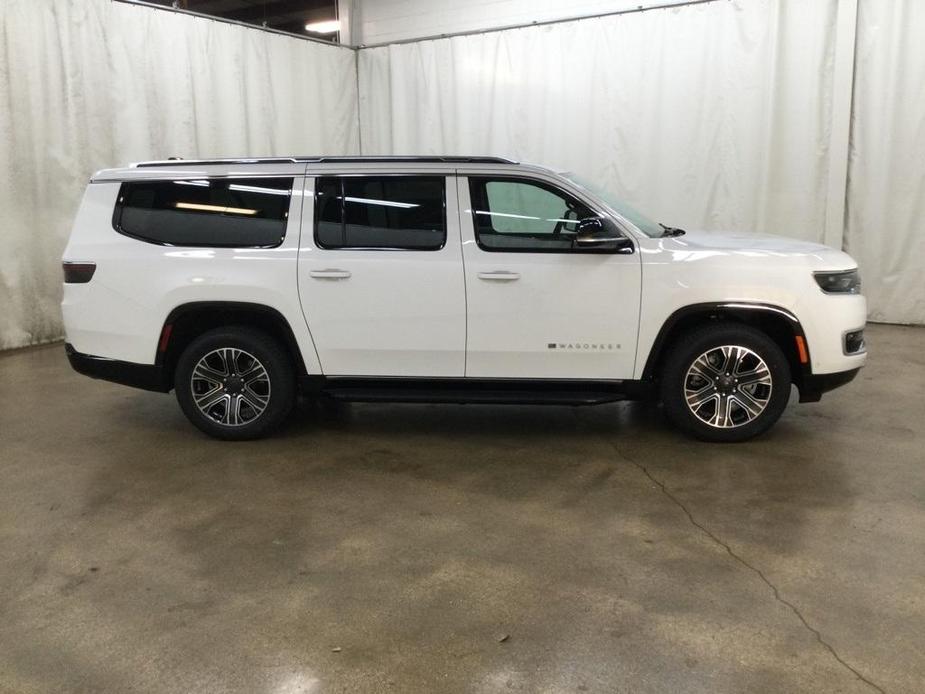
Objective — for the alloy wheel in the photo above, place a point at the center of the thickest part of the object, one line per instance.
(728, 386)
(230, 386)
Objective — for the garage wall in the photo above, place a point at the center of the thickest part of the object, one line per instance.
(89, 84)
(707, 116)
(381, 21)
(886, 184)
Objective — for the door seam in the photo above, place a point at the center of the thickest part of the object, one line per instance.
(462, 257)
(298, 263)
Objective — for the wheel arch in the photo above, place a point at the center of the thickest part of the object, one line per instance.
(188, 321)
(778, 323)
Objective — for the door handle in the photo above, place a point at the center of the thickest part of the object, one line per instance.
(500, 276)
(329, 274)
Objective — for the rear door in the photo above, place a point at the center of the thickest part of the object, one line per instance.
(540, 306)
(380, 274)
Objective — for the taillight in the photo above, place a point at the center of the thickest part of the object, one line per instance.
(78, 273)
(165, 337)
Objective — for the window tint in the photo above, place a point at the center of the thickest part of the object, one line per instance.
(396, 212)
(519, 215)
(228, 212)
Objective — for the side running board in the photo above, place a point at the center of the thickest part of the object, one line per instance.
(481, 391)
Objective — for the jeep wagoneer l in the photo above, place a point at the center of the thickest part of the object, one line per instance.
(239, 283)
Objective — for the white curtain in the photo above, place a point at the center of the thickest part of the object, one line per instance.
(88, 84)
(713, 116)
(710, 116)
(886, 176)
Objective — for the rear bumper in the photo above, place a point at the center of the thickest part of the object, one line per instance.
(812, 386)
(145, 376)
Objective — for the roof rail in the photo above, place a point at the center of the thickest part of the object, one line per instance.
(176, 161)
(349, 159)
(412, 158)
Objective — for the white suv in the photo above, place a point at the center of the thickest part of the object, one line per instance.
(238, 283)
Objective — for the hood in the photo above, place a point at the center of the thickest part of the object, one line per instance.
(740, 241)
(719, 243)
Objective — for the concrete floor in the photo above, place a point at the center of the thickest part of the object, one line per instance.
(416, 548)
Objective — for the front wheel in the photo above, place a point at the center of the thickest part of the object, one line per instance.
(235, 383)
(725, 383)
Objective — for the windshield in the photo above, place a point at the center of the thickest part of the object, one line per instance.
(646, 226)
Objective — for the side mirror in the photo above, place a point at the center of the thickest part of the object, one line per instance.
(593, 234)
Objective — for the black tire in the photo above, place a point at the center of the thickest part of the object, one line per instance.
(274, 389)
(731, 407)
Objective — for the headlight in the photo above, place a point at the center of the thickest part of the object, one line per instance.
(848, 282)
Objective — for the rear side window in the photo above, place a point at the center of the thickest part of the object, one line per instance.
(222, 213)
(384, 212)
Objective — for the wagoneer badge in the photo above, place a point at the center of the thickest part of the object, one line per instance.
(589, 346)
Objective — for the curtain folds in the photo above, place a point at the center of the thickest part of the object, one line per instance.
(886, 172)
(715, 116)
(707, 116)
(89, 84)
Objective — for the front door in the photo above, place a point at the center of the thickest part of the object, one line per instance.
(380, 275)
(540, 306)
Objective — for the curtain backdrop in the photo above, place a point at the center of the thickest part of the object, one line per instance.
(711, 116)
(89, 84)
(714, 116)
(886, 175)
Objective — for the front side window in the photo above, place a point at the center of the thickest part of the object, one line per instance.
(213, 213)
(516, 215)
(380, 212)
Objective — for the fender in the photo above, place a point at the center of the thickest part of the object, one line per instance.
(745, 311)
(175, 335)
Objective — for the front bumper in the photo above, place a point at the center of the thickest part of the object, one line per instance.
(812, 386)
(145, 376)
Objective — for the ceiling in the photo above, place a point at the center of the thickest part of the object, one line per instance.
(284, 15)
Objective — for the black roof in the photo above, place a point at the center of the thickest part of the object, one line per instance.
(350, 159)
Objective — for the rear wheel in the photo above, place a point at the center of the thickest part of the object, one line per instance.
(235, 383)
(725, 383)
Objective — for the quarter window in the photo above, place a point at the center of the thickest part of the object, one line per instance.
(515, 215)
(223, 213)
(381, 212)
